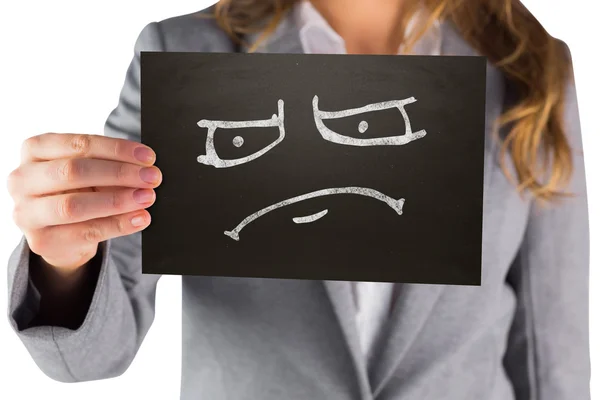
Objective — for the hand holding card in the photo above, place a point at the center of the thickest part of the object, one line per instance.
(74, 191)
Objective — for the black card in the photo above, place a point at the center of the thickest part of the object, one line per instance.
(327, 167)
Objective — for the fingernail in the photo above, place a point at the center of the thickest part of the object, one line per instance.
(138, 220)
(150, 174)
(142, 196)
(144, 154)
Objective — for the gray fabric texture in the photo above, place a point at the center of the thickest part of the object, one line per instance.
(522, 335)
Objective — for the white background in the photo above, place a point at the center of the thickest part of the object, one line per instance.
(63, 64)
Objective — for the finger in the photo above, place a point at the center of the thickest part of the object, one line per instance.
(76, 207)
(54, 176)
(62, 241)
(52, 146)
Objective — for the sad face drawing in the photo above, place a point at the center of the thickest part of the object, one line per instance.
(319, 167)
(211, 158)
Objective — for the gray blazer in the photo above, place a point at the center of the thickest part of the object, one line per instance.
(522, 335)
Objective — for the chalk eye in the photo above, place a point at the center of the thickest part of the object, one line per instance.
(238, 141)
(392, 140)
(212, 158)
(363, 126)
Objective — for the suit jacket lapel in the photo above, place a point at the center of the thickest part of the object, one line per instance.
(286, 39)
(410, 313)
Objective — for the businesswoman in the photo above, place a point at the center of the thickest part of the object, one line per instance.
(81, 306)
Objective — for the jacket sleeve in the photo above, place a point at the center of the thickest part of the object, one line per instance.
(122, 307)
(548, 350)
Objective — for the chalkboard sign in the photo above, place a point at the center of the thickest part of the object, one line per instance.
(326, 167)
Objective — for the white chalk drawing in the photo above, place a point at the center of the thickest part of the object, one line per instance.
(310, 218)
(396, 205)
(363, 126)
(212, 158)
(238, 141)
(334, 137)
(277, 120)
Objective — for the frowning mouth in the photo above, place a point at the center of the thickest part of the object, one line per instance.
(395, 204)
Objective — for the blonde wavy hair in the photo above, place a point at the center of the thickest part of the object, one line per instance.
(536, 64)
